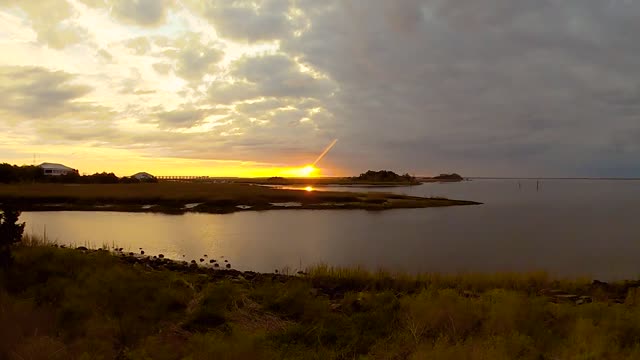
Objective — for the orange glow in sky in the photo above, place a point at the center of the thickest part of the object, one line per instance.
(92, 160)
(308, 171)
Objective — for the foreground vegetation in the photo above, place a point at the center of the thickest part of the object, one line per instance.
(72, 304)
(171, 197)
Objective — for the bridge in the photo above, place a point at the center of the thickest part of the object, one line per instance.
(183, 177)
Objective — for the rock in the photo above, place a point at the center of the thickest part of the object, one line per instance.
(131, 260)
(584, 300)
(249, 275)
(470, 294)
(216, 265)
(211, 261)
(161, 256)
(228, 266)
(131, 254)
(565, 298)
(141, 252)
(193, 261)
(83, 248)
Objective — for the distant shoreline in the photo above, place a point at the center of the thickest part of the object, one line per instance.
(549, 178)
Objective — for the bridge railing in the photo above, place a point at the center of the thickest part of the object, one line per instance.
(181, 177)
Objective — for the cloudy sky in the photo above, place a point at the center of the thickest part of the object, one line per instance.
(254, 88)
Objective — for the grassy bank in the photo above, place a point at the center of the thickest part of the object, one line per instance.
(70, 304)
(171, 197)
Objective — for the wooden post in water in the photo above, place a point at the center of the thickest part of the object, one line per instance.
(537, 185)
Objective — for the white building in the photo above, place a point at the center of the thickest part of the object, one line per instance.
(51, 169)
(143, 176)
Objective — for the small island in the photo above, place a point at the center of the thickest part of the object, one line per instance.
(385, 177)
(448, 177)
(370, 178)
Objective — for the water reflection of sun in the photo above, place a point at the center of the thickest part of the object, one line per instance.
(309, 188)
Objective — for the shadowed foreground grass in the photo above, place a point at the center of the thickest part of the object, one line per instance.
(70, 304)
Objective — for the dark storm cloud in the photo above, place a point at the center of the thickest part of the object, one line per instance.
(492, 86)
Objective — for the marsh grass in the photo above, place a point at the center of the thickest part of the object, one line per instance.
(33, 240)
(68, 304)
(364, 279)
(170, 197)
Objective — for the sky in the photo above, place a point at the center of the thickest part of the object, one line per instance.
(260, 88)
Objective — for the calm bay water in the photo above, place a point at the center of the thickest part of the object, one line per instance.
(567, 227)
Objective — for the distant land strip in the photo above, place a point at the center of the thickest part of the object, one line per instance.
(548, 178)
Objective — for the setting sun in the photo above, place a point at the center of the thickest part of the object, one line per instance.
(307, 171)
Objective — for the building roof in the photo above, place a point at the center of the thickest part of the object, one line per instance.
(142, 175)
(54, 166)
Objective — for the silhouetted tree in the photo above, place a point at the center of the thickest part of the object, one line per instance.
(100, 178)
(10, 233)
(384, 176)
(12, 173)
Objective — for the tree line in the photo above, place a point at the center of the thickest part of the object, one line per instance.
(29, 174)
(384, 176)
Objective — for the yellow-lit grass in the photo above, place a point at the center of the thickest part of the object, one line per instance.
(214, 197)
(176, 191)
(529, 282)
(68, 304)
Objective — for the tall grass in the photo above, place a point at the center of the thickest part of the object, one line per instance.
(67, 304)
(33, 240)
(477, 282)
